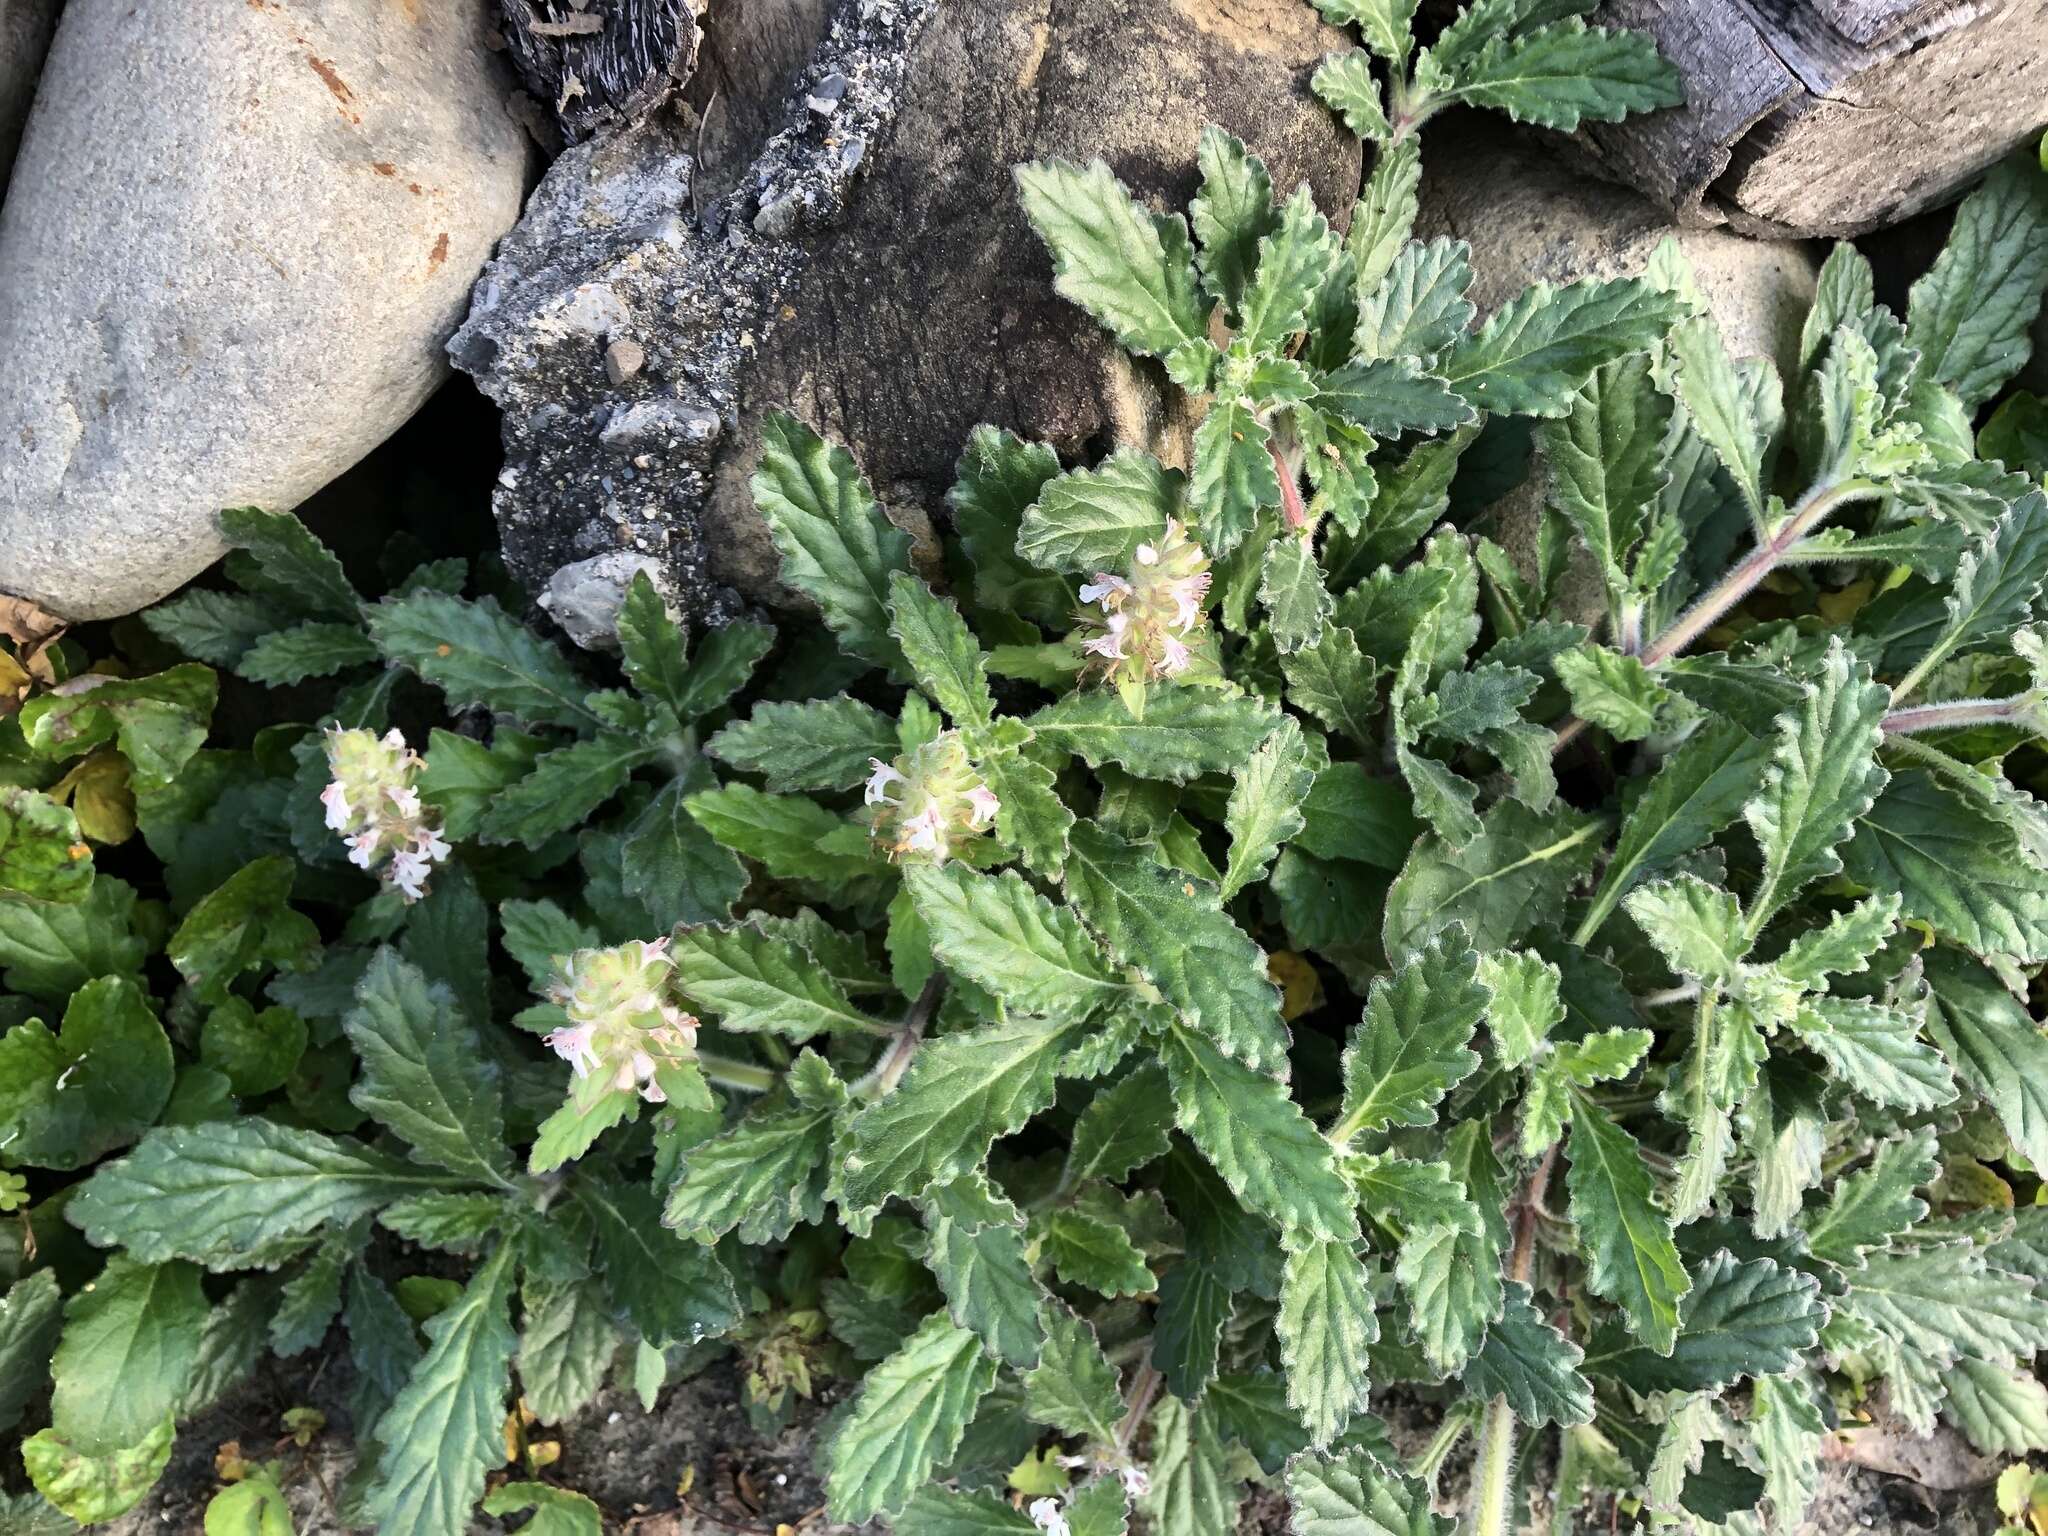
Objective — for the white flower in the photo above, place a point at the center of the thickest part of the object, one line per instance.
(984, 805)
(921, 832)
(1173, 656)
(335, 798)
(1137, 1482)
(1045, 1514)
(877, 792)
(572, 1042)
(1187, 594)
(1147, 555)
(374, 803)
(1101, 587)
(409, 871)
(362, 848)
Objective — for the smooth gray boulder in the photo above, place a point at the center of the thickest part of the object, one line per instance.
(239, 234)
(25, 28)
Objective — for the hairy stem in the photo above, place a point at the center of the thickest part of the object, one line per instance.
(741, 1075)
(1815, 508)
(1952, 716)
(1291, 506)
(895, 1061)
(1144, 1387)
(1493, 1471)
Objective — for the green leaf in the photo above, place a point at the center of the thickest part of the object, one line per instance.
(1523, 1004)
(838, 548)
(1074, 1388)
(1384, 24)
(1995, 1046)
(1000, 934)
(1607, 462)
(1867, 1209)
(753, 980)
(1385, 214)
(1421, 309)
(1613, 691)
(1531, 1364)
(1560, 75)
(1955, 869)
(672, 865)
(935, 1511)
(66, 1099)
(1334, 681)
(1326, 1322)
(1721, 410)
(673, 1290)
(213, 627)
(1352, 1494)
(1349, 814)
(1124, 1127)
(91, 1489)
(1032, 819)
(292, 655)
(1843, 946)
(1998, 1410)
(1452, 1276)
(1413, 1044)
(962, 1092)
(817, 744)
(1947, 1304)
(1175, 932)
(1293, 261)
(1997, 584)
(1547, 1104)
(726, 658)
(1499, 885)
(1389, 396)
(1291, 589)
(789, 836)
(425, 1073)
(1088, 520)
(556, 1511)
(1875, 1051)
(1232, 212)
(654, 651)
(1184, 732)
(760, 1177)
(445, 1429)
(1536, 351)
(1264, 809)
(1344, 81)
(1095, 1254)
(288, 563)
(1130, 269)
(229, 1193)
(566, 1345)
(564, 790)
(256, 1052)
(944, 657)
(461, 777)
(1788, 1430)
(242, 925)
(1823, 775)
(479, 657)
(984, 1270)
(573, 1130)
(999, 476)
(908, 1419)
(1700, 789)
(1695, 926)
(30, 1315)
(1630, 1256)
(1257, 1138)
(1740, 1319)
(255, 1506)
(1192, 1491)
(158, 722)
(130, 1340)
(1969, 315)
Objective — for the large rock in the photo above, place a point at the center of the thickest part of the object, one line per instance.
(1829, 117)
(866, 265)
(1529, 216)
(238, 235)
(25, 28)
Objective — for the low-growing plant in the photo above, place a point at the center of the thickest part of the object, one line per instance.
(1253, 945)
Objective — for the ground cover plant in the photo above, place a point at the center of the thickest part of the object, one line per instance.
(1224, 944)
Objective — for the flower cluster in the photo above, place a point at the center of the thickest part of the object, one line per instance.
(374, 803)
(924, 803)
(623, 1029)
(1138, 626)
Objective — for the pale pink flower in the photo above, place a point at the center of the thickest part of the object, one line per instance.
(1045, 1514)
(374, 802)
(335, 798)
(877, 792)
(984, 805)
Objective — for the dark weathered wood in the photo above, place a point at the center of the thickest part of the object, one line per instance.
(1829, 117)
(600, 63)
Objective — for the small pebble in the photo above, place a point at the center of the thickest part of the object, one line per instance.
(825, 96)
(623, 359)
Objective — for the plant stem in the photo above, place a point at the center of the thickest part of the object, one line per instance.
(1952, 716)
(895, 1061)
(742, 1075)
(1291, 506)
(1815, 508)
(1144, 1387)
(1493, 1472)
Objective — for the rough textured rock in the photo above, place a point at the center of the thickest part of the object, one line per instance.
(600, 65)
(617, 246)
(1529, 217)
(930, 308)
(243, 274)
(25, 28)
(867, 265)
(1829, 116)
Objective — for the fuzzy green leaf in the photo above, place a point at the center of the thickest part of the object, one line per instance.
(1231, 213)
(1353, 1494)
(751, 980)
(1611, 690)
(480, 657)
(1174, 930)
(1344, 81)
(130, 1341)
(1876, 1051)
(1421, 309)
(984, 1270)
(1969, 316)
(1265, 803)
(1326, 1322)
(1536, 351)
(1753, 1318)
(1531, 1364)
(1630, 1256)
(760, 1178)
(1560, 75)
(1094, 519)
(999, 933)
(943, 654)
(1995, 1046)
(1413, 1044)
(817, 744)
(908, 1419)
(1867, 1209)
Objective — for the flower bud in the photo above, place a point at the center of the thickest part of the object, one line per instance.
(374, 803)
(1137, 627)
(927, 802)
(623, 1028)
